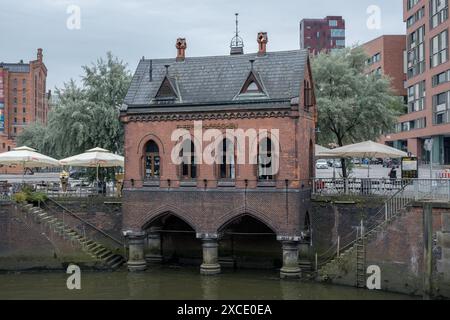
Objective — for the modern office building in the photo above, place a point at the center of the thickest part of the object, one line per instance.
(319, 35)
(428, 82)
(23, 98)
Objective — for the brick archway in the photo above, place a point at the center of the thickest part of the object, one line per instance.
(153, 215)
(229, 217)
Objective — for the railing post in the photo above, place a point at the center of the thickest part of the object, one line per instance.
(448, 189)
(386, 217)
(338, 246)
(317, 262)
(362, 229)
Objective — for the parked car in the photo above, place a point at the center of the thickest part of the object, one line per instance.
(391, 163)
(322, 164)
(376, 161)
(78, 174)
(356, 161)
(337, 164)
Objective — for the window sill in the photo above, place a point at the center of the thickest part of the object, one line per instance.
(188, 183)
(267, 184)
(226, 184)
(151, 183)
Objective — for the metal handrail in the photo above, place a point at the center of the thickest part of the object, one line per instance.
(85, 222)
(368, 230)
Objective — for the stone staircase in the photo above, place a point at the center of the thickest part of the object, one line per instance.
(353, 256)
(108, 258)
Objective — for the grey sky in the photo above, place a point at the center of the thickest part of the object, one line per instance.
(135, 28)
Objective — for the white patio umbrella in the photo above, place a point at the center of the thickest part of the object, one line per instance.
(322, 152)
(368, 149)
(27, 157)
(95, 158)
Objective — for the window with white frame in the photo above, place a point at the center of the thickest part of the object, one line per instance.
(438, 12)
(439, 49)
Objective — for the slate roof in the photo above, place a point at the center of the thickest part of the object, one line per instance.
(16, 67)
(219, 79)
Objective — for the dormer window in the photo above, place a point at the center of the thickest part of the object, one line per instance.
(252, 87)
(166, 92)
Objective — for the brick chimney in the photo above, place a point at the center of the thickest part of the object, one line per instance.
(262, 42)
(181, 46)
(39, 55)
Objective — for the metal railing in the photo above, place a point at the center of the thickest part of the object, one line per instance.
(419, 189)
(55, 190)
(81, 225)
(390, 210)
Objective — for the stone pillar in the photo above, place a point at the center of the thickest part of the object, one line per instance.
(304, 256)
(290, 267)
(136, 260)
(210, 265)
(153, 251)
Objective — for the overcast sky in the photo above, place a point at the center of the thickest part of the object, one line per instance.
(135, 28)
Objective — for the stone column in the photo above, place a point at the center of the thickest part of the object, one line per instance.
(153, 252)
(304, 256)
(210, 265)
(136, 260)
(290, 267)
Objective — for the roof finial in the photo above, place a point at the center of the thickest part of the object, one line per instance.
(237, 44)
(167, 68)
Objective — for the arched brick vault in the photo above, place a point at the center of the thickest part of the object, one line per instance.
(215, 226)
(228, 217)
(146, 219)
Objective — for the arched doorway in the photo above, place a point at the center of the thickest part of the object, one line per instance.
(248, 243)
(175, 239)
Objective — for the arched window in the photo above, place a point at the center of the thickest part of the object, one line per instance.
(226, 166)
(152, 161)
(188, 165)
(265, 160)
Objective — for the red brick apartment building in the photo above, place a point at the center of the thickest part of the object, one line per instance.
(23, 98)
(326, 34)
(210, 203)
(428, 81)
(386, 56)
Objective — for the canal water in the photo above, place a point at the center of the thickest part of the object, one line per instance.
(178, 284)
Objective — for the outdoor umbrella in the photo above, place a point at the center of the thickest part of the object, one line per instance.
(368, 149)
(27, 157)
(323, 153)
(95, 158)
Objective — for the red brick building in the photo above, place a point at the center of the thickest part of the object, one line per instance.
(386, 55)
(428, 81)
(326, 34)
(209, 201)
(23, 98)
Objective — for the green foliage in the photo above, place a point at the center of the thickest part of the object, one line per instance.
(84, 117)
(20, 197)
(352, 106)
(28, 195)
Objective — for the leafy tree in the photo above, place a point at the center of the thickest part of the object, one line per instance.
(85, 117)
(352, 106)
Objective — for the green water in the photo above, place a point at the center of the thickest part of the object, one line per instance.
(175, 283)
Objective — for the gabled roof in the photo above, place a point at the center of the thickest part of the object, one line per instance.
(219, 79)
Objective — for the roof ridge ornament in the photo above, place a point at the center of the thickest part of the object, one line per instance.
(237, 44)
